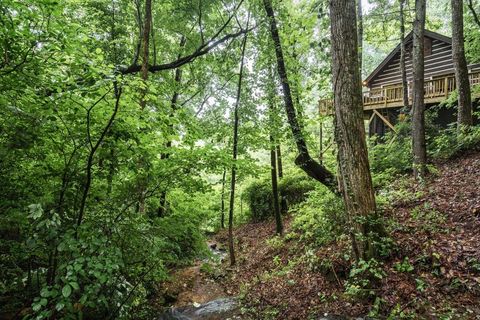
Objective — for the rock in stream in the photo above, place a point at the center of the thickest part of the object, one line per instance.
(219, 309)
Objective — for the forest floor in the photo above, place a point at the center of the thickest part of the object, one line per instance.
(433, 270)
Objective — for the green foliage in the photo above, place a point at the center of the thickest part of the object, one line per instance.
(403, 266)
(275, 242)
(391, 156)
(260, 198)
(363, 278)
(451, 142)
(320, 218)
(430, 219)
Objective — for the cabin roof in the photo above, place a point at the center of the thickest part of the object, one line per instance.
(408, 38)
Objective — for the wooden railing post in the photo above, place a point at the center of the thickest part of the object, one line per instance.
(446, 87)
(385, 96)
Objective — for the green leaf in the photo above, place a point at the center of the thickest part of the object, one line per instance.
(45, 293)
(60, 306)
(74, 285)
(66, 291)
(43, 302)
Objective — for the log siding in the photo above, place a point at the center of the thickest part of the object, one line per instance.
(437, 63)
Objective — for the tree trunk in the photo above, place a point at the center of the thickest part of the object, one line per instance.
(143, 101)
(284, 204)
(303, 160)
(360, 35)
(418, 119)
(403, 53)
(235, 151)
(93, 150)
(273, 159)
(354, 171)
(460, 66)
(222, 217)
(146, 39)
(276, 202)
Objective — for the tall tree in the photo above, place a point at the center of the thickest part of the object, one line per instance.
(303, 160)
(273, 154)
(403, 54)
(354, 171)
(143, 102)
(235, 150)
(418, 118)
(146, 46)
(360, 34)
(460, 66)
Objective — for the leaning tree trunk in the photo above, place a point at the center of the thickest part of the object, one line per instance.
(303, 160)
(460, 66)
(354, 171)
(235, 150)
(403, 53)
(418, 119)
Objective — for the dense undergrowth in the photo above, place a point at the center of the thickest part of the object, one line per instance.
(427, 267)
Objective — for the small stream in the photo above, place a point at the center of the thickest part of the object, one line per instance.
(218, 309)
(221, 308)
(213, 310)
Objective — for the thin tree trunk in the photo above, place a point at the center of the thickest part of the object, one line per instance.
(403, 53)
(354, 171)
(320, 142)
(273, 156)
(276, 202)
(303, 160)
(460, 66)
(93, 150)
(235, 151)
(360, 35)
(222, 218)
(146, 40)
(284, 204)
(418, 119)
(143, 101)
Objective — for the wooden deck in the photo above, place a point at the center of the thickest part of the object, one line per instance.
(436, 90)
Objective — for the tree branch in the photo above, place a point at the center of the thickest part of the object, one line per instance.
(474, 13)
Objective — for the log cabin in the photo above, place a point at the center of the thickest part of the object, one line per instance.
(382, 96)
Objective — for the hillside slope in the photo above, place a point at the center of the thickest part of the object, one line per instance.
(432, 269)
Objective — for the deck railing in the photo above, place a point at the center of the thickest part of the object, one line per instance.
(435, 90)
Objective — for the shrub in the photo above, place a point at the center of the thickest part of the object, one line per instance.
(364, 278)
(391, 156)
(320, 218)
(260, 198)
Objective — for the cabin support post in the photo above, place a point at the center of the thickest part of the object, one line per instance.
(384, 120)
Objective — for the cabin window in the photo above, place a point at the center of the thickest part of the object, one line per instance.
(427, 47)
